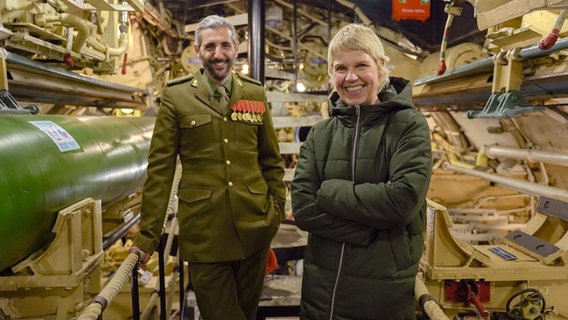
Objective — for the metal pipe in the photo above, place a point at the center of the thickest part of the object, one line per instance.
(162, 277)
(120, 232)
(85, 29)
(135, 294)
(38, 67)
(256, 38)
(57, 85)
(122, 46)
(513, 184)
(531, 155)
(123, 38)
(182, 290)
(295, 41)
(472, 68)
(532, 52)
(486, 65)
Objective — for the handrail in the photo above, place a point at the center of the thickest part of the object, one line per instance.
(427, 302)
(109, 292)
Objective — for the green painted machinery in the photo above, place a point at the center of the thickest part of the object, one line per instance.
(48, 162)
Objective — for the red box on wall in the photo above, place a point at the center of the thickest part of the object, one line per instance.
(411, 10)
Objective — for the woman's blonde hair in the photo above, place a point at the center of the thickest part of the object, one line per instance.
(359, 37)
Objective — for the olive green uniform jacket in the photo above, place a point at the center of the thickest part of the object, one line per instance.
(359, 190)
(231, 194)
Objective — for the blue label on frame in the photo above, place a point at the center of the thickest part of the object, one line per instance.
(503, 253)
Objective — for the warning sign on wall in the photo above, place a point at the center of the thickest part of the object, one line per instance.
(411, 10)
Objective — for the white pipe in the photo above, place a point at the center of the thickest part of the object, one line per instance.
(514, 184)
(531, 155)
(86, 34)
(123, 41)
(87, 31)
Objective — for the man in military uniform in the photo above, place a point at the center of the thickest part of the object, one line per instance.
(231, 195)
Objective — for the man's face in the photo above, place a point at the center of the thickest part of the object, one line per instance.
(217, 53)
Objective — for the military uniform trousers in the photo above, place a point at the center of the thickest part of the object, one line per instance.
(231, 289)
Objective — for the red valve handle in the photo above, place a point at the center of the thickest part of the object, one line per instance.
(482, 311)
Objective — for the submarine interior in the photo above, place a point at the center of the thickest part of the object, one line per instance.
(80, 85)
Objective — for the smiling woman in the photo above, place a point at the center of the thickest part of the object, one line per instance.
(360, 189)
(356, 77)
(358, 65)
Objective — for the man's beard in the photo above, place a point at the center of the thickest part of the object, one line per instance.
(213, 72)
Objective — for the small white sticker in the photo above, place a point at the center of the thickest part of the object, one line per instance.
(62, 138)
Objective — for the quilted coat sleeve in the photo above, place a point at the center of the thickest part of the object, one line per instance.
(397, 202)
(311, 217)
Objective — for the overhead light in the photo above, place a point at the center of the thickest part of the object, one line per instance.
(126, 110)
(300, 87)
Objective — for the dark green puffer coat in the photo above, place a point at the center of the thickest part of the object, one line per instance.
(360, 191)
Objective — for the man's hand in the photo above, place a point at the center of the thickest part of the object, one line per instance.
(144, 257)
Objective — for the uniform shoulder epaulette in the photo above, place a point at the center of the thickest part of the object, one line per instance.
(179, 80)
(245, 78)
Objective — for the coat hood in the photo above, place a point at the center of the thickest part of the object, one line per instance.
(397, 95)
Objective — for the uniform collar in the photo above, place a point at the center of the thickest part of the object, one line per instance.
(212, 85)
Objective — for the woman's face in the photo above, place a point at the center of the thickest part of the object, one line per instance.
(356, 77)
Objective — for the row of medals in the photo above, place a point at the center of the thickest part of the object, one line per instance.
(246, 116)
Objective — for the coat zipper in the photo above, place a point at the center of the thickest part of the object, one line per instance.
(353, 158)
(355, 141)
(336, 281)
